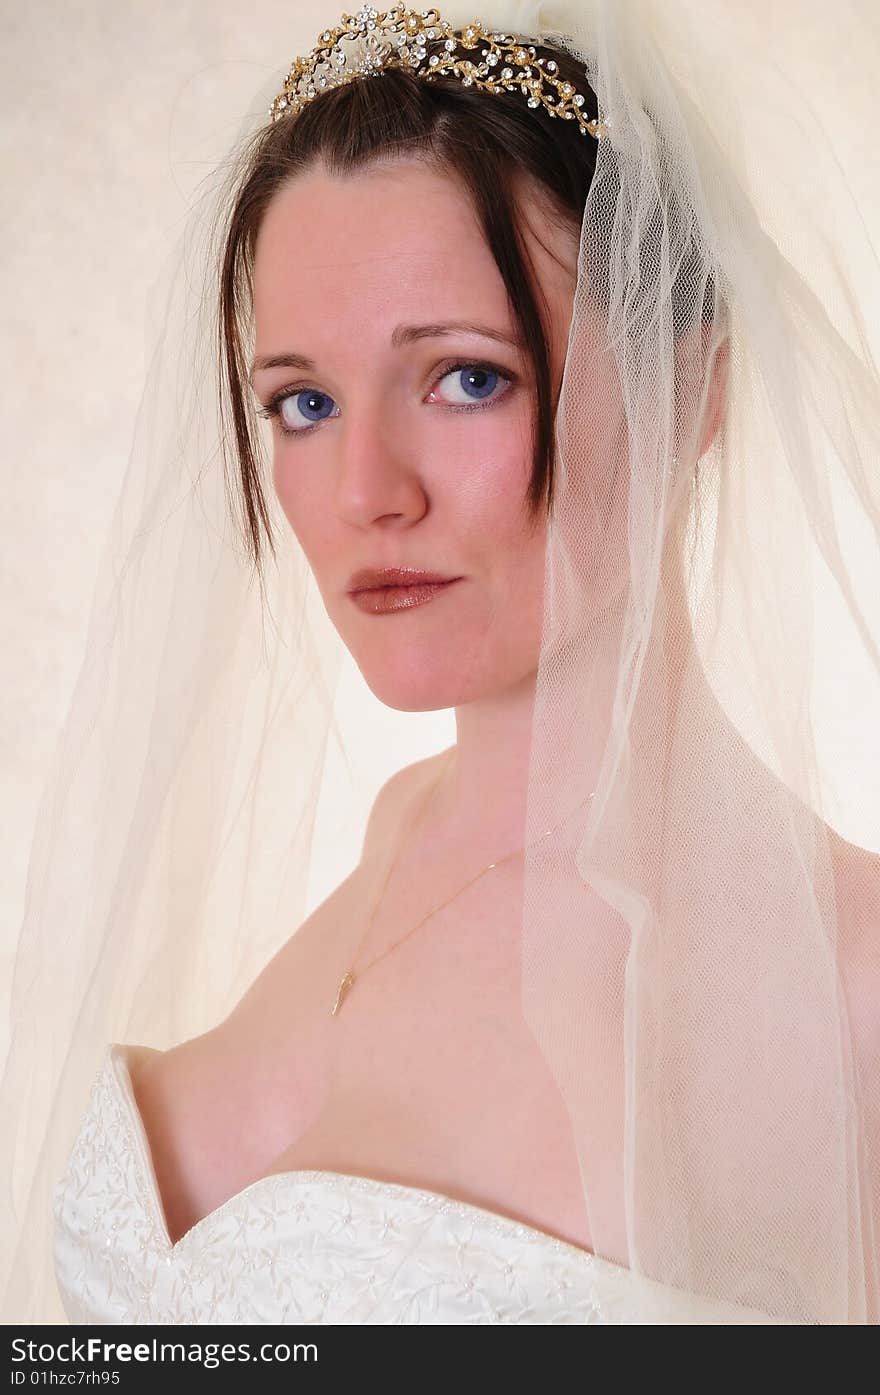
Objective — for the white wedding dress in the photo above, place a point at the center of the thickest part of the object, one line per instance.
(314, 1247)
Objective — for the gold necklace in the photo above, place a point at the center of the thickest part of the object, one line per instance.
(347, 982)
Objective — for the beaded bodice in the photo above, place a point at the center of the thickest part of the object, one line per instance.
(311, 1247)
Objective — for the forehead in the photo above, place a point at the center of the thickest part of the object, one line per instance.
(381, 243)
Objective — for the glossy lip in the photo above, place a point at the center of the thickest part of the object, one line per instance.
(387, 600)
(370, 578)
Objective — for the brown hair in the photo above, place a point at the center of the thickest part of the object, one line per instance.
(488, 142)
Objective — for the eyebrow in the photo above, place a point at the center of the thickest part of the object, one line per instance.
(403, 334)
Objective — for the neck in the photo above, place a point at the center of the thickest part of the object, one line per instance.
(481, 796)
(480, 799)
(486, 780)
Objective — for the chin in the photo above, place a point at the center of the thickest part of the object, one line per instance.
(413, 692)
(431, 672)
(407, 687)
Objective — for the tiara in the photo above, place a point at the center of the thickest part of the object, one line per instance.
(400, 38)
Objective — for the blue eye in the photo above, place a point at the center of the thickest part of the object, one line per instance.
(314, 406)
(472, 379)
(308, 406)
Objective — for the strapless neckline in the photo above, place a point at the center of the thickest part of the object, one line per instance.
(301, 1177)
(318, 1246)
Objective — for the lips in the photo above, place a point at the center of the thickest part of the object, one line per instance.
(383, 600)
(370, 578)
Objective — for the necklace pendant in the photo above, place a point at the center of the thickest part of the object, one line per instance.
(345, 984)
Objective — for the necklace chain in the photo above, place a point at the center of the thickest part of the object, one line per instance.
(347, 982)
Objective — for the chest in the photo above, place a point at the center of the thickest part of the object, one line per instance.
(429, 1075)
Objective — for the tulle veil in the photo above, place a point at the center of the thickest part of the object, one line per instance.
(701, 938)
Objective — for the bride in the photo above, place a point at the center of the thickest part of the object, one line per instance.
(425, 468)
(588, 1033)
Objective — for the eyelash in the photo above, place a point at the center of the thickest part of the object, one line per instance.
(272, 409)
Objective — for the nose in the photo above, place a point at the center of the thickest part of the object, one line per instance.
(378, 476)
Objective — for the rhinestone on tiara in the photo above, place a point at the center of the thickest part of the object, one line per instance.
(366, 43)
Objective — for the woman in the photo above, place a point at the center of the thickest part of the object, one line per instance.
(589, 1031)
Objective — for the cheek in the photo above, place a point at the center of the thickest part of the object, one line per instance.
(517, 569)
(486, 474)
(307, 512)
(509, 550)
(497, 513)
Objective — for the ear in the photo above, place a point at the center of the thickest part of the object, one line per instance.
(693, 353)
(716, 402)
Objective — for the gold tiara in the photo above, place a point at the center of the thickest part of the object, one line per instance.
(400, 37)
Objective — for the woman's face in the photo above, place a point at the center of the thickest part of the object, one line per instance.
(401, 441)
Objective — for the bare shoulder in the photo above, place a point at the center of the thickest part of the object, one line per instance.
(218, 1109)
(857, 890)
(857, 895)
(305, 969)
(394, 798)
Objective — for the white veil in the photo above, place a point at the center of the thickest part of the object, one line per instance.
(701, 947)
